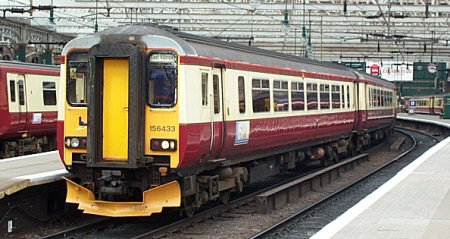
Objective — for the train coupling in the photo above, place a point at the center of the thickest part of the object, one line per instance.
(154, 199)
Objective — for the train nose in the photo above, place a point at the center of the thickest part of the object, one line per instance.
(154, 200)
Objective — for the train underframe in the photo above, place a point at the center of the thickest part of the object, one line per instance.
(29, 145)
(214, 181)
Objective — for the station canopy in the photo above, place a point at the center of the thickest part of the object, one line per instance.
(328, 30)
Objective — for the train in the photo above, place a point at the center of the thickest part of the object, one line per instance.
(154, 118)
(28, 108)
(426, 104)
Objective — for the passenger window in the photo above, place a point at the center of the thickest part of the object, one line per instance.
(241, 92)
(280, 95)
(49, 93)
(204, 89)
(21, 92)
(12, 90)
(324, 96)
(348, 97)
(77, 67)
(375, 98)
(342, 97)
(311, 96)
(297, 96)
(335, 97)
(260, 95)
(216, 94)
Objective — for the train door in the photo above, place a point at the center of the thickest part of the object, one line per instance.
(355, 103)
(431, 107)
(115, 109)
(217, 114)
(22, 107)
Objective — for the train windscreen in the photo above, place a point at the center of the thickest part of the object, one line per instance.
(162, 80)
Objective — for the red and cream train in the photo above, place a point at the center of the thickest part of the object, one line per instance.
(28, 110)
(176, 120)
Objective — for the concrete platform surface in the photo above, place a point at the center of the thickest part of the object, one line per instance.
(415, 203)
(434, 119)
(25, 171)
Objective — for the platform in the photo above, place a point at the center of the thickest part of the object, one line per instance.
(413, 204)
(30, 170)
(433, 119)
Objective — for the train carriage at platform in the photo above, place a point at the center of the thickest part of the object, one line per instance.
(28, 110)
(155, 118)
(427, 104)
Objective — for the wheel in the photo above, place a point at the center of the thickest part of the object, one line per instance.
(224, 197)
(189, 211)
(335, 157)
(189, 206)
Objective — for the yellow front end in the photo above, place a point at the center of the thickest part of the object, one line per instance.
(159, 123)
(167, 195)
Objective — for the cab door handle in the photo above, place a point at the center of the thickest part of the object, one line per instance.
(81, 122)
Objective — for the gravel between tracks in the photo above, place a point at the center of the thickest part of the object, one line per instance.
(244, 222)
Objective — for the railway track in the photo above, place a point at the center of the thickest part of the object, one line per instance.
(161, 229)
(157, 227)
(309, 220)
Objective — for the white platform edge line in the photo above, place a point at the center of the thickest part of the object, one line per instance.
(28, 156)
(424, 121)
(339, 223)
(44, 175)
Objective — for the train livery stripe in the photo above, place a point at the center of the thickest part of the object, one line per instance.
(12, 126)
(267, 134)
(204, 61)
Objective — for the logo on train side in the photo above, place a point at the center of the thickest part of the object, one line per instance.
(242, 132)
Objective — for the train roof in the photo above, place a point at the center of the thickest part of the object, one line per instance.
(427, 96)
(28, 65)
(193, 45)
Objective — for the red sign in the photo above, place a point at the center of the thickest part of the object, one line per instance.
(375, 69)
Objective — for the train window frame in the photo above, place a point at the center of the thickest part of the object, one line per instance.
(70, 76)
(12, 90)
(161, 65)
(258, 85)
(241, 94)
(21, 91)
(335, 91)
(348, 97)
(280, 87)
(204, 82)
(216, 93)
(298, 90)
(342, 97)
(324, 90)
(311, 88)
(49, 92)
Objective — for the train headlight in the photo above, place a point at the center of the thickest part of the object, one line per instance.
(163, 144)
(67, 142)
(74, 142)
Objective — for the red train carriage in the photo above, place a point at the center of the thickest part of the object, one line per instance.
(156, 118)
(28, 108)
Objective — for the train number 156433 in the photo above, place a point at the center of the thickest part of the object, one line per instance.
(162, 128)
